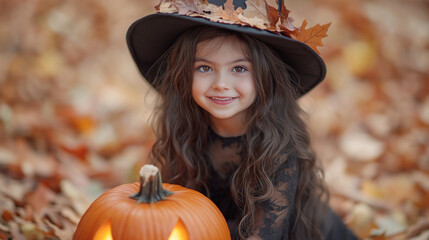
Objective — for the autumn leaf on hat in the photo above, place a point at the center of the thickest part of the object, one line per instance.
(312, 36)
(182, 7)
(258, 14)
(226, 14)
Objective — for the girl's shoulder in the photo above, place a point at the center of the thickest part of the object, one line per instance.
(287, 168)
(288, 156)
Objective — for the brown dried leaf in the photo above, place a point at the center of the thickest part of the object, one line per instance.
(287, 26)
(66, 232)
(312, 36)
(229, 13)
(421, 226)
(187, 7)
(286, 21)
(40, 198)
(272, 14)
(424, 201)
(257, 8)
(166, 7)
(254, 22)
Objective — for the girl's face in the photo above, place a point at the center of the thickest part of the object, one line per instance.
(223, 82)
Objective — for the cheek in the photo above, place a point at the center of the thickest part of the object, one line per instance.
(197, 89)
(252, 94)
(248, 88)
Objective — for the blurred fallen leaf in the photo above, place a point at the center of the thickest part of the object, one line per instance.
(392, 224)
(40, 198)
(361, 220)
(361, 146)
(420, 228)
(359, 56)
(423, 236)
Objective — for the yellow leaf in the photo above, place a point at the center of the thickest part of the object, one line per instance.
(359, 56)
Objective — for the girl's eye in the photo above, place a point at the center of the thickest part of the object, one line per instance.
(239, 69)
(204, 69)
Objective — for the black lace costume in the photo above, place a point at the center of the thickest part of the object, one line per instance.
(274, 217)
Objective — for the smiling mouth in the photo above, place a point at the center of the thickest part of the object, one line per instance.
(222, 98)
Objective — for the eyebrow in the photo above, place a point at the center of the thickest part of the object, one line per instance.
(235, 61)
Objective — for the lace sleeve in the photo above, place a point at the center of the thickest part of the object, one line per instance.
(273, 217)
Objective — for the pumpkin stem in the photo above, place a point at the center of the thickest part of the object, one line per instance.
(151, 189)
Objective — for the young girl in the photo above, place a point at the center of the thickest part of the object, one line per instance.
(228, 123)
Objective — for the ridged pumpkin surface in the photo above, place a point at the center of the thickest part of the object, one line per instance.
(153, 221)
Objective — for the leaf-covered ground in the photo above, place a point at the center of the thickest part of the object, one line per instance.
(74, 112)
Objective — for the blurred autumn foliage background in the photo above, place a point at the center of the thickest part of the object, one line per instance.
(74, 112)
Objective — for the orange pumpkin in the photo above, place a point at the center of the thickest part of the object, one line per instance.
(156, 212)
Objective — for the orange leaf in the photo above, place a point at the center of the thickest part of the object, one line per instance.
(80, 151)
(380, 237)
(285, 21)
(272, 14)
(312, 36)
(7, 215)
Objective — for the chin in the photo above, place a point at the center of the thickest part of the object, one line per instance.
(216, 116)
(223, 116)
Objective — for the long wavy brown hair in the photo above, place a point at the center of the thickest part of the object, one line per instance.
(275, 120)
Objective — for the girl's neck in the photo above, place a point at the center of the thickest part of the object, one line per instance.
(228, 127)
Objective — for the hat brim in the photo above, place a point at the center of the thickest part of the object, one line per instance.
(149, 37)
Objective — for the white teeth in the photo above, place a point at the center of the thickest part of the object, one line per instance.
(222, 99)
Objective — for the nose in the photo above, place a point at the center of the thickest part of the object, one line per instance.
(221, 81)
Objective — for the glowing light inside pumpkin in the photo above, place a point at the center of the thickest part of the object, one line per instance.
(104, 232)
(179, 232)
